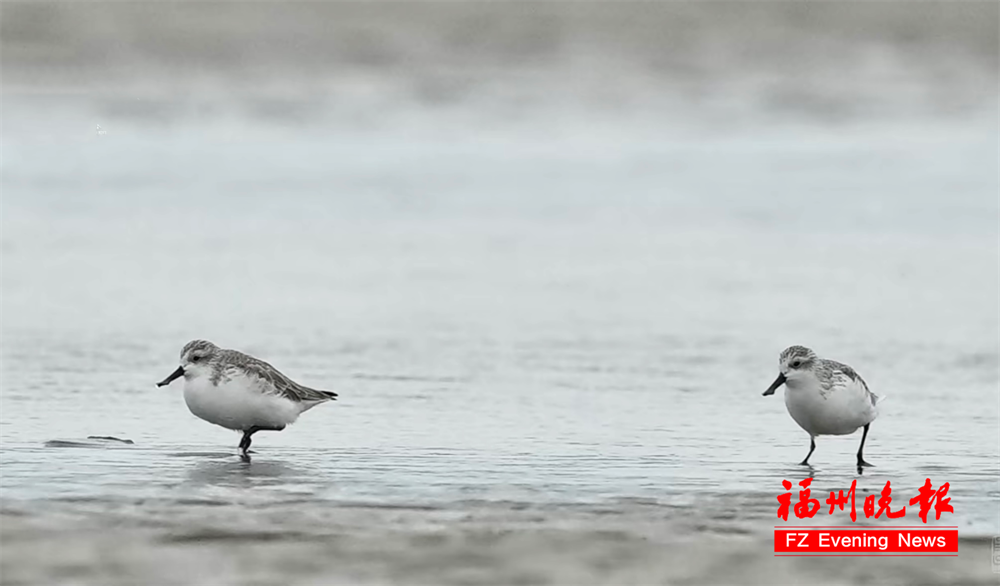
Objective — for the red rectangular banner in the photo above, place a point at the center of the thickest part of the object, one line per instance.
(866, 541)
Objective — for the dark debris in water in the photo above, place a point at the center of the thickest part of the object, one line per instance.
(66, 444)
(95, 441)
(110, 438)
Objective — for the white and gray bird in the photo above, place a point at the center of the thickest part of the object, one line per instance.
(239, 392)
(825, 397)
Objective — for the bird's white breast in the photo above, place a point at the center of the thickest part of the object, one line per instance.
(839, 410)
(238, 403)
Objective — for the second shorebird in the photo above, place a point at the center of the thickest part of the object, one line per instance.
(824, 397)
(239, 392)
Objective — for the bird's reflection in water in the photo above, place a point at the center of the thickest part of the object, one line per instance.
(233, 471)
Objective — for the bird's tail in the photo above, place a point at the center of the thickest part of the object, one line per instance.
(317, 397)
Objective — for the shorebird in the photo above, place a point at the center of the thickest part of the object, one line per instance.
(825, 397)
(240, 392)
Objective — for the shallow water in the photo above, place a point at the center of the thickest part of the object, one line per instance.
(549, 346)
(583, 376)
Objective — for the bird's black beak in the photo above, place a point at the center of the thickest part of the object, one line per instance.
(770, 390)
(173, 375)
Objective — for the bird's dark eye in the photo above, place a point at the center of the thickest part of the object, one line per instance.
(796, 363)
(195, 358)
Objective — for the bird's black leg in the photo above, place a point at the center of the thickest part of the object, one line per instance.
(812, 446)
(861, 460)
(245, 442)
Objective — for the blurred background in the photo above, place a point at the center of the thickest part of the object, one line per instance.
(547, 253)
